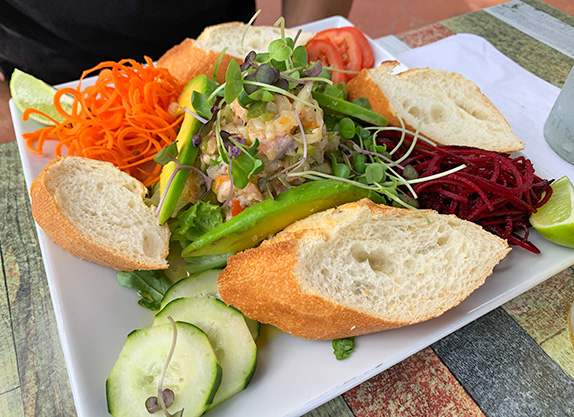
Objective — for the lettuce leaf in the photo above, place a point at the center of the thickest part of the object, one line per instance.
(194, 222)
(151, 286)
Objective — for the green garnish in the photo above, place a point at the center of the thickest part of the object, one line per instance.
(151, 286)
(342, 348)
(194, 222)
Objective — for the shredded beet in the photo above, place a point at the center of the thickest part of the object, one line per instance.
(495, 190)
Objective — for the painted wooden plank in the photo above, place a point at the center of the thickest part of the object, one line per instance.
(504, 370)
(44, 382)
(534, 56)
(419, 386)
(8, 362)
(543, 313)
(11, 404)
(560, 348)
(541, 26)
(336, 407)
(552, 11)
(425, 35)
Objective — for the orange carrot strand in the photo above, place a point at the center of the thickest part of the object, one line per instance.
(122, 118)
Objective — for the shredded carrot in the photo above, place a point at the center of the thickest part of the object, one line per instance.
(123, 118)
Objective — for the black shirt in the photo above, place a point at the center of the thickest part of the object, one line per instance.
(56, 40)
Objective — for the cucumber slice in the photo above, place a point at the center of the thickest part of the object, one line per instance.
(229, 336)
(194, 378)
(254, 327)
(203, 285)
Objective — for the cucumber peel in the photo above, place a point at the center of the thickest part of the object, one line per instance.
(203, 285)
(229, 335)
(194, 379)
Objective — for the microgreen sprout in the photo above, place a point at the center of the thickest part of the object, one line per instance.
(230, 195)
(248, 25)
(241, 159)
(304, 139)
(218, 63)
(260, 76)
(165, 398)
(369, 165)
(280, 22)
(197, 116)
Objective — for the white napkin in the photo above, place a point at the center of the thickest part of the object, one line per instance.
(524, 99)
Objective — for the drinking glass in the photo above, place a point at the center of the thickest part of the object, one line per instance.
(559, 126)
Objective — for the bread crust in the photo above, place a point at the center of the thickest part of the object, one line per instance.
(270, 293)
(263, 284)
(186, 61)
(66, 235)
(364, 85)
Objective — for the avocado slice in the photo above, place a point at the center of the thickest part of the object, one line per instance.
(186, 151)
(257, 222)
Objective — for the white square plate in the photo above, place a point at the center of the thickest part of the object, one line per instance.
(293, 376)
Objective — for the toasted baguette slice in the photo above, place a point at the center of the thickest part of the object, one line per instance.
(360, 268)
(451, 108)
(96, 212)
(193, 57)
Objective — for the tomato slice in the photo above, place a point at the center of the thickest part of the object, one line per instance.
(327, 54)
(368, 56)
(347, 43)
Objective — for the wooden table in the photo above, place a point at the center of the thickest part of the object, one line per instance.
(517, 360)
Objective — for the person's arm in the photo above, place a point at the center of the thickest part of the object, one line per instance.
(298, 12)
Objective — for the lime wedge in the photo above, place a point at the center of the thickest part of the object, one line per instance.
(555, 219)
(28, 91)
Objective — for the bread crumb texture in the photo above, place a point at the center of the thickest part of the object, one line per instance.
(448, 108)
(395, 264)
(239, 39)
(360, 268)
(105, 207)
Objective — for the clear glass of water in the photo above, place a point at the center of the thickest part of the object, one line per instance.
(559, 127)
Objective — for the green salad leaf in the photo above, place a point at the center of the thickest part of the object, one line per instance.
(167, 154)
(195, 221)
(246, 165)
(151, 286)
(233, 82)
